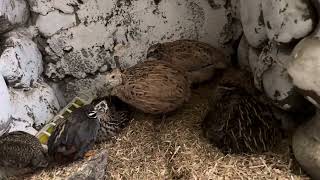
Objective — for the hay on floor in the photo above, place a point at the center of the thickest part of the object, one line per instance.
(174, 148)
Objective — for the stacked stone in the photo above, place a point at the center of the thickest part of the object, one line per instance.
(281, 47)
(26, 100)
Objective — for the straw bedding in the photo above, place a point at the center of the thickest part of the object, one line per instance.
(174, 148)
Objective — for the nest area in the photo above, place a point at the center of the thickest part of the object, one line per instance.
(175, 148)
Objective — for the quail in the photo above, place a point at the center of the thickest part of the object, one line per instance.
(21, 152)
(75, 135)
(155, 87)
(117, 116)
(240, 119)
(201, 60)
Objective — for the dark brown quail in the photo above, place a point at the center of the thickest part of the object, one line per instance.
(75, 135)
(199, 59)
(20, 152)
(155, 87)
(240, 120)
(116, 118)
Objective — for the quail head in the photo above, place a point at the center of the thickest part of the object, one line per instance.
(21, 152)
(75, 135)
(113, 119)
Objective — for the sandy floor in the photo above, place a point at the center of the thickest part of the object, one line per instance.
(174, 148)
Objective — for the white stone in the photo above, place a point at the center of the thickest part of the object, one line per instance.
(276, 82)
(43, 7)
(64, 5)
(306, 146)
(13, 13)
(5, 106)
(305, 67)
(21, 61)
(34, 107)
(287, 19)
(252, 22)
(54, 21)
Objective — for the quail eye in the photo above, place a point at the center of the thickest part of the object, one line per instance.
(112, 77)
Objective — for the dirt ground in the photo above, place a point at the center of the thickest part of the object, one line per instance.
(174, 148)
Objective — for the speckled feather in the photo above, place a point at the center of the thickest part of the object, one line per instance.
(75, 136)
(21, 150)
(238, 121)
(199, 59)
(154, 87)
(114, 120)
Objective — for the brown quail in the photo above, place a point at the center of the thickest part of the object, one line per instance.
(154, 87)
(20, 152)
(199, 59)
(239, 120)
(116, 117)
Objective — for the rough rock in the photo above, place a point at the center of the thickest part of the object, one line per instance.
(252, 22)
(85, 88)
(287, 19)
(95, 168)
(5, 106)
(20, 61)
(13, 13)
(243, 53)
(43, 7)
(54, 21)
(306, 146)
(32, 108)
(304, 68)
(126, 29)
(276, 81)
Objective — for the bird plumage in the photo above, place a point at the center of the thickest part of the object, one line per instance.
(20, 150)
(117, 117)
(74, 136)
(154, 87)
(240, 120)
(199, 59)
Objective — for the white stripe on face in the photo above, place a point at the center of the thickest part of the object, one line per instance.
(92, 114)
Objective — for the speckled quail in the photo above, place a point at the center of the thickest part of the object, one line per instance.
(116, 118)
(199, 59)
(240, 119)
(20, 152)
(155, 87)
